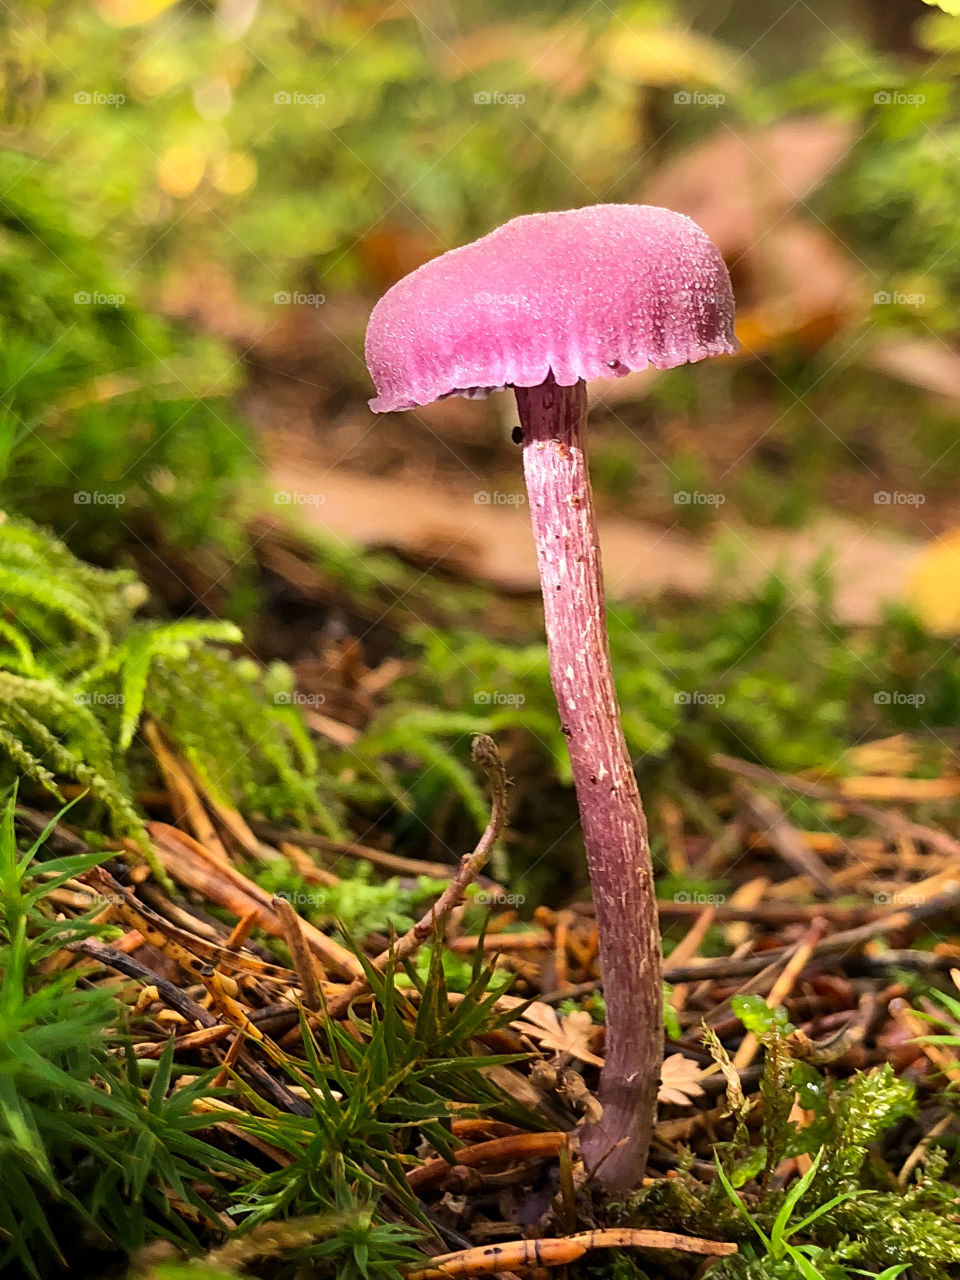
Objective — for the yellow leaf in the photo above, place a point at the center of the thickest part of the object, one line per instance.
(933, 588)
(671, 56)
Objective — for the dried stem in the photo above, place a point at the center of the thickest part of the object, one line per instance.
(300, 953)
(561, 1251)
(486, 755)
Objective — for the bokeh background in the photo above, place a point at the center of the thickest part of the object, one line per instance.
(200, 203)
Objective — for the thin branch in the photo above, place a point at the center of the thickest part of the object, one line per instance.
(303, 960)
(486, 755)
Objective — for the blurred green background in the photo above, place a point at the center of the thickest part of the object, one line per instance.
(173, 173)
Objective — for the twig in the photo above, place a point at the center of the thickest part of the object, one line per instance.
(186, 1043)
(561, 1251)
(838, 1045)
(168, 992)
(188, 862)
(844, 942)
(307, 866)
(781, 989)
(773, 823)
(229, 1063)
(891, 822)
(61, 839)
(185, 947)
(303, 961)
(561, 935)
(111, 958)
(487, 756)
(921, 1149)
(914, 961)
(392, 862)
(687, 948)
(177, 914)
(521, 1146)
(186, 804)
(771, 913)
(530, 941)
(241, 930)
(272, 1019)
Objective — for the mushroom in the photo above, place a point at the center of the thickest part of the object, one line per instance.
(544, 304)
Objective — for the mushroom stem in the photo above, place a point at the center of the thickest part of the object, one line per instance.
(611, 815)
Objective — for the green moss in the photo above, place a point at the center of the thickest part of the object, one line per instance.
(79, 670)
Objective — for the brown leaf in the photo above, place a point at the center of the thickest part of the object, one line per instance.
(569, 1034)
(738, 185)
(679, 1081)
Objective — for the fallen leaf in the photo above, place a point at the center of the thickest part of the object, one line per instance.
(679, 1081)
(739, 184)
(569, 1034)
(927, 363)
(793, 280)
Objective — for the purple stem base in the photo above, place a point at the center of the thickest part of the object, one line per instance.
(614, 829)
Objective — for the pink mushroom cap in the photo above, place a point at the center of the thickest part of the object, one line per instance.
(585, 293)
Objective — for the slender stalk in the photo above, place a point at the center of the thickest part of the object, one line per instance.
(614, 829)
(486, 755)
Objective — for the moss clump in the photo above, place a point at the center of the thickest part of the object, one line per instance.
(79, 670)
